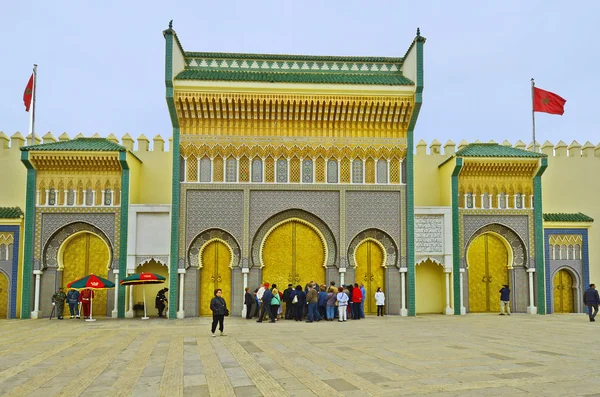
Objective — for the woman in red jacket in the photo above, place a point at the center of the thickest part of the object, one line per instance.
(356, 299)
(85, 298)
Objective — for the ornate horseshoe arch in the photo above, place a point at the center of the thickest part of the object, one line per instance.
(381, 238)
(295, 215)
(208, 236)
(519, 252)
(52, 248)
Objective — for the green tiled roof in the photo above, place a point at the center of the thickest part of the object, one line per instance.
(79, 144)
(495, 150)
(295, 77)
(289, 57)
(562, 217)
(10, 212)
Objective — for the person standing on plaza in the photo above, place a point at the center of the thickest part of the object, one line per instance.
(312, 299)
(248, 301)
(287, 299)
(362, 303)
(379, 301)
(219, 310)
(505, 300)
(322, 301)
(58, 300)
(591, 300)
(275, 301)
(300, 298)
(160, 301)
(85, 297)
(342, 301)
(73, 301)
(331, 300)
(259, 295)
(265, 305)
(357, 298)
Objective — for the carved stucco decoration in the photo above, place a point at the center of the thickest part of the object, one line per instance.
(307, 217)
(382, 238)
(57, 239)
(519, 256)
(198, 243)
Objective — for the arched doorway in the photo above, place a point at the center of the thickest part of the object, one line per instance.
(563, 292)
(152, 266)
(215, 272)
(370, 271)
(83, 254)
(487, 260)
(431, 288)
(3, 296)
(293, 253)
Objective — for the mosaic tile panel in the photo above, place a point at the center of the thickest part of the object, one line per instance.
(210, 209)
(190, 292)
(373, 210)
(10, 267)
(194, 251)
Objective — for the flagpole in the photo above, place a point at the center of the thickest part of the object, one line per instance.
(533, 111)
(32, 113)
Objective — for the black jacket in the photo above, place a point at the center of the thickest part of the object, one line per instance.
(590, 297)
(287, 295)
(248, 300)
(218, 306)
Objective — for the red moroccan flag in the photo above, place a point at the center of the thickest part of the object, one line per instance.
(547, 102)
(28, 94)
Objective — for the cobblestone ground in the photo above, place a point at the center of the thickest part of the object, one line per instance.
(474, 355)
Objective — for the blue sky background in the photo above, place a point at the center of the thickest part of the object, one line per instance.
(101, 64)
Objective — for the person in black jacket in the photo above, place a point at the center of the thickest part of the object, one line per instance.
(219, 309)
(248, 301)
(160, 301)
(591, 300)
(287, 298)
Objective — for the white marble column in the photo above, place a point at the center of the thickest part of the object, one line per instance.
(129, 313)
(103, 197)
(84, 197)
(463, 310)
(342, 271)
(181, 312)
(65, 197)
(47, 197)
(245, 272)
(448, 310)
(115, 311)
(37, 197)
(35, 314)
(403, 309)
(531, 309)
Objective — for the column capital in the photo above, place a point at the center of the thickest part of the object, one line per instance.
(462, 270)
(245, 270)
(342, 270)
(115, 271)
(447, 270)
(403, 270)
(531, 270)
(38, 272)
(181, 271)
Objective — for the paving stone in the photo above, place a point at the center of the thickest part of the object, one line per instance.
(340, 384)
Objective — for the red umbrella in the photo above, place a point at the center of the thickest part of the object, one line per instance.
(91, 282)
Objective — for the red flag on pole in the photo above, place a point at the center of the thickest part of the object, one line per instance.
(28, 94)
(547, 102)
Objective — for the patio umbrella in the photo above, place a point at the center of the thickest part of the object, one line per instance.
(143, 278)
(91, 282)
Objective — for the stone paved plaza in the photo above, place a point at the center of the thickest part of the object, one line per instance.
(474, 355)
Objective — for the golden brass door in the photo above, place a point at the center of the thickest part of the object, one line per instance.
(488, 272)
(3, 296)
(563, 292)
(84, 254)
(369, 271)
(293, 254)
(215, 273)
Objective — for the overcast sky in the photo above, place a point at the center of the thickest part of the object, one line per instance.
(101, 64)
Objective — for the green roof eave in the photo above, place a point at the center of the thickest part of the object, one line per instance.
(496, 150)
(565, 217)
(78, 144)
(11, 213)
(295, 77)
(290, 57)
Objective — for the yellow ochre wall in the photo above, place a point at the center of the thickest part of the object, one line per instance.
(13, 174)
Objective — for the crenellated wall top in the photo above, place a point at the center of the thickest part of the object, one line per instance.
(560, 149)
(17, 141)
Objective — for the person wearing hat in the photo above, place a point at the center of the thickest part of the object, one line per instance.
(160, 301)
(505, 300)
(287, 298)
(58, 300)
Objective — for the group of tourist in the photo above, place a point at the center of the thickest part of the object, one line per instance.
(73, 298)
(313, 302)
